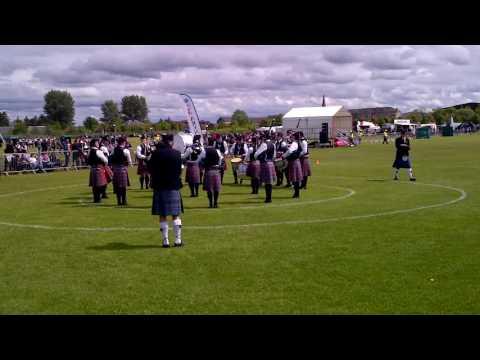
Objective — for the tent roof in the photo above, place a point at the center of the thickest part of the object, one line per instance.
(316, 111)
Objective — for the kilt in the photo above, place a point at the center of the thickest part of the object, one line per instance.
(295, 171)
(253, 169)
(193, 173)
(108, 174)
(400, 163)
(120, 177)
(212, 180)
(142, 169)
(306, 170)
(98, 176)
(223, 165)
(267, 173)
(167, 202)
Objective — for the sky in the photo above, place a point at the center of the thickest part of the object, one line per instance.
(262, 80)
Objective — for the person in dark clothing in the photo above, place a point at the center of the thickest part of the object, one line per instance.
(402, 157)
(211, 159)
(120, 161)
(165, 168)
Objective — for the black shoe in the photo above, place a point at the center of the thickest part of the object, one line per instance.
(178, 245)
(288, 185)
(192, 195)
(295, 196)
(215, 205)
(395, 178)
(165, 246)
(104, 197)
(268, 200)
(210, 206)
(413, 179)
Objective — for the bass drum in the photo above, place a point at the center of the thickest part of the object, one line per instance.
(181, 141)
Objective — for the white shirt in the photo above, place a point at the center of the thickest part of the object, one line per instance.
(245, 149)
(304, 146)
(293, 147)
(128, 155)
(101, 155)
(189, 151)
(139, 152)
(263, 147)
(105, 150)
(204, 154)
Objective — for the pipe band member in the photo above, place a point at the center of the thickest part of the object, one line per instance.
(295, 174)
(121, 160)
(253, 168)
(143, 153)
(266, 153)
(239, 149)
(402, 157)
(212, 160)
(222, 146)
(304, 161)
(105, 147)
(280, 148)
(98, 177)
(192, 157)
(165, 167)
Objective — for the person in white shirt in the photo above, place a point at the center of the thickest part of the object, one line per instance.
(98, 177)
(253, 169)
(143, 153)
(192, 156)
(295, 175)
(238, 149)
(211, 159)
(266, 154)
(121, 160)
(222, 146)
(304, 161)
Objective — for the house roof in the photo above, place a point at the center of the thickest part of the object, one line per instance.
(316, 111)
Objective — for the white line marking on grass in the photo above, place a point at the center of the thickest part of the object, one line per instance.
(40, 190)
(350, 192)
(463, 196)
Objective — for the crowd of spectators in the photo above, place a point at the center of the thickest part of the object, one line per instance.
(48, 153)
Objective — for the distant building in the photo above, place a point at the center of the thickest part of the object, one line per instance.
(227, 120)
(471, 105)
(369, 114)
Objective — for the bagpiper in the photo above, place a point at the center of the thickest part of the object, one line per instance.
(295, 175)
(239, 149)
(211, 159)
(222, 146)
(304, 161)
(192, 158)
(402, 156)
(143, 154)
(266, 153)
(121, 160)
(98, 176)
(253, 168)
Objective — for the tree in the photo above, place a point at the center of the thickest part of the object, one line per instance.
(19, 127)
(240, 119)
(135, 107)
(110, 112)
(4, 119)
(90, 123)
(59, 107)
(465, 115)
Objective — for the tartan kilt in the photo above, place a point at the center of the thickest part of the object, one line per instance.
(253, 169)
(167, 202)
(399, 163)
(108, 174)
(98, 176)
(267, 173)
(306, 170)
(120, 177)
(223, 165)
(212, 181)
(295, 171)
(192, 174)
(142, 168)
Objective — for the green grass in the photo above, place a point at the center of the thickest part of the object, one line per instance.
(376, 265)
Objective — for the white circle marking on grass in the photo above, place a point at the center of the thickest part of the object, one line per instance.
(463, 196)
(350, 192)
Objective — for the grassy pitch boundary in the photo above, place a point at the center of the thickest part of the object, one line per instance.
(461, 192)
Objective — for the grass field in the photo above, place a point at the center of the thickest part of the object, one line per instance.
(351, 244)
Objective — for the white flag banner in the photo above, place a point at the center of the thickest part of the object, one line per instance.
(192, 117)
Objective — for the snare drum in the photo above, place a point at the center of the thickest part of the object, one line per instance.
(235, 162)
(242, 171)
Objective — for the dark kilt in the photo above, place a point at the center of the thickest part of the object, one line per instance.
(267, 173)
(295, 171)
(108, 174)
(142, 169)
(399, 163)
(193, 173)
(120, 177)
(98, 176)
(223, 165)
(306, 170)
(167, 202)
(253, 169)
(213, 180)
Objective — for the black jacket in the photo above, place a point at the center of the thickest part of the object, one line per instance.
(165, 166)
(402, 150)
